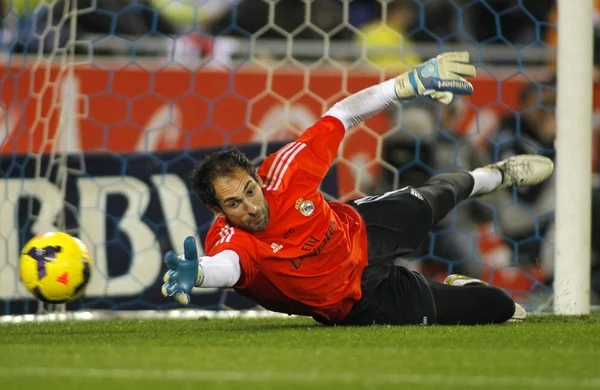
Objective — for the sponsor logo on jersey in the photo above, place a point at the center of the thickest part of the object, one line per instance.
(276, 247)
(306, 207)
(314, 246)
(289, 233)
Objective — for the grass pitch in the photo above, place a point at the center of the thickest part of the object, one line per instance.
(546, 352)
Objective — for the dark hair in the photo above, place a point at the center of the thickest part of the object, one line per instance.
(218, 164)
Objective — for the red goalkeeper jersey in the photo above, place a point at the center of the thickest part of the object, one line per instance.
(309, 260)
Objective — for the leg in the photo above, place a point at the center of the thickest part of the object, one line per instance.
(443, 192)
(396, 222)
(392, 295)
(471, 304)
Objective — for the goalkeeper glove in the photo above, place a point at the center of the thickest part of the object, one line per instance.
(439, 77)
(185, 272)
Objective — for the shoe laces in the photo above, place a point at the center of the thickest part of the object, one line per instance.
(517, 168)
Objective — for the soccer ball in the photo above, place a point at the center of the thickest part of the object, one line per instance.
(55, 267)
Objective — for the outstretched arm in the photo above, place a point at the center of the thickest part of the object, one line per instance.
(364, 104)
(316, 149)
(221, 270)
(439, 78)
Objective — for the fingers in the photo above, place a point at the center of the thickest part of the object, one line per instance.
(182, 298)
(455, 56)
(460, 69)
(168, 289)
(170, 276)
(163, 290)
(189, 249)
(442, 97)
(456, 62)
(171, 260)
(171, 286)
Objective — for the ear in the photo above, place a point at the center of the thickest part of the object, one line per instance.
(217, 211)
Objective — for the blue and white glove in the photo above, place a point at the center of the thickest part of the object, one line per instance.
(439, 78)
(185, 272)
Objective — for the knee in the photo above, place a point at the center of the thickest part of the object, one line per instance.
(459, 184)
(441, 197)
(439, 187)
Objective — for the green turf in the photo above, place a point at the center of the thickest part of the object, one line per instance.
(546, 352)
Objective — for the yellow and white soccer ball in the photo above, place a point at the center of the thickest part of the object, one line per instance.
(55, 267)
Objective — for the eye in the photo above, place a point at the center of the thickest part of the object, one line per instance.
(251, 191)
(232, 205)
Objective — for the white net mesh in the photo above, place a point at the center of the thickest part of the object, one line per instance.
(107, 104)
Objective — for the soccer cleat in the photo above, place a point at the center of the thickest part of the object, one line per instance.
(523, 170)
(462, 280)
(520, 314)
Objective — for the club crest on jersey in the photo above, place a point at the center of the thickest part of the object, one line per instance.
(306, 207)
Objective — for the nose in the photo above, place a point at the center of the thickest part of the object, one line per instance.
(250, 207)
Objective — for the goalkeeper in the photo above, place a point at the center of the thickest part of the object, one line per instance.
(277, 241)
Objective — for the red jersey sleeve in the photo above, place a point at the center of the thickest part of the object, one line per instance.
(222, 237)
(312, 153)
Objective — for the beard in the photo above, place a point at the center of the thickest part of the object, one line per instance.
(259, 221)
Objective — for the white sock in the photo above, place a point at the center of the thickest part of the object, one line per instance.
(486, 180)
(465, 282)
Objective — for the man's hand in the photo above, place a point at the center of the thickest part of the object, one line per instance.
(440, 78)
(184, 272)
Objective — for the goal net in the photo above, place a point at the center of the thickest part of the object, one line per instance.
(106, 106)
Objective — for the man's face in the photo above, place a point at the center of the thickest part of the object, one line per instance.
(242, 201)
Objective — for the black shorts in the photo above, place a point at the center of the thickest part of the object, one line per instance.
(397, 223)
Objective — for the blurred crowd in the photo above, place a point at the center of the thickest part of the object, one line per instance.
(29, 24)
(422, 131)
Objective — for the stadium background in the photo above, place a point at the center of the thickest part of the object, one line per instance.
(134, 112)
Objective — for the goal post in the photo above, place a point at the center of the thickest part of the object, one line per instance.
(574, 158)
